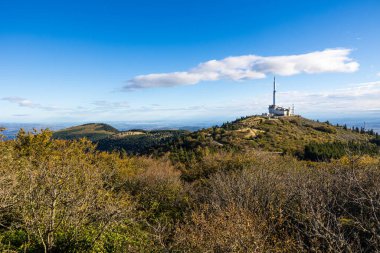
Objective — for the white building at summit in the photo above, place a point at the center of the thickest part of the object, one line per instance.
(276, 110)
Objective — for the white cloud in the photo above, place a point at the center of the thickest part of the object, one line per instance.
(23, 102)
(251, 67)
(378, 74)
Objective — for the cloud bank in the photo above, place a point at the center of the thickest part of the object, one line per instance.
(251, 67)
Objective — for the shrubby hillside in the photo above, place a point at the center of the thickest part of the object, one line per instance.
(288, 135)
(253, 185)
(296, 136)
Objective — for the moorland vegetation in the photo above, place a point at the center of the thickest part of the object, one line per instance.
(240, 187)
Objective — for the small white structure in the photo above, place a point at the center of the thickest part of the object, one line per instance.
(276, 110)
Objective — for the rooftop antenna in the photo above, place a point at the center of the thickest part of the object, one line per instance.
(274, 90)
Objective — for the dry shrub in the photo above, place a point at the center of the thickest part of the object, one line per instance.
(153, 177)
(8, 182)
(116, 169)
(232, 229)
(221, 161)
(330, 207)
(60, 202)
(339, 208)
(252, 198)
(157, 172)
(160, 197)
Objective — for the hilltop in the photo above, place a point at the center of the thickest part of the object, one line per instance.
(281, 134)
(286, 135)
(289, 135)
(108, 138)
(91, 131)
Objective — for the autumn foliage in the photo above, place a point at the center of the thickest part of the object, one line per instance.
(65, 196)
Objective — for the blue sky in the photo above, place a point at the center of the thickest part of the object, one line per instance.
(170, 60)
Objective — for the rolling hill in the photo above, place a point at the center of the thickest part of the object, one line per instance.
(109, 138)
(91, 131)
(288, 135)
